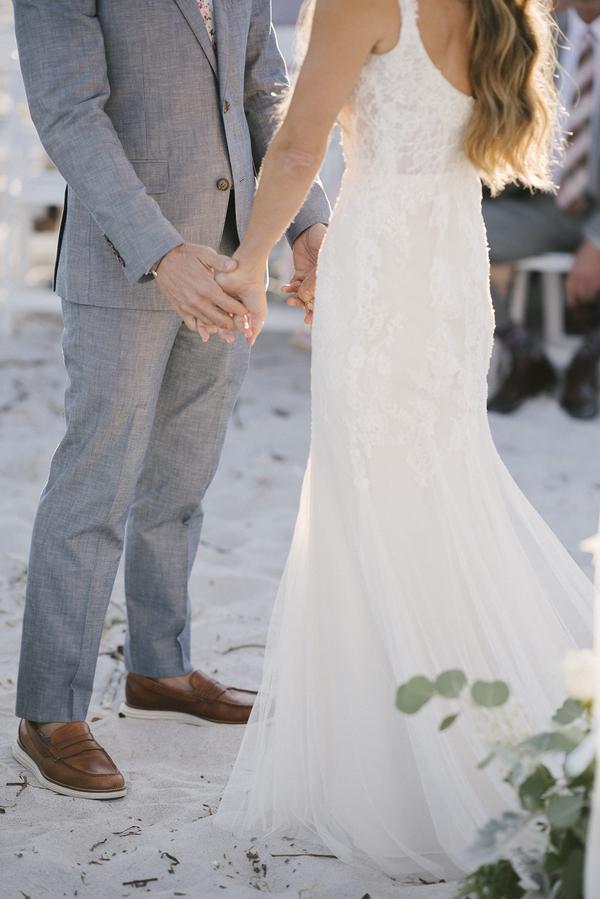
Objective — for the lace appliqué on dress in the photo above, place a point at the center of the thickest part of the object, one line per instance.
(404, 339)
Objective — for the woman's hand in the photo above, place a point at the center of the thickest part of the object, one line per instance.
(247, 285)
(302, 285)
(303, 295)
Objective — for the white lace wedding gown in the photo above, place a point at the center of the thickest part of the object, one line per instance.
(414, 550)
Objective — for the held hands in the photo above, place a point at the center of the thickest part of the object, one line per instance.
(247, 281)
(186, 277)
(214, 294)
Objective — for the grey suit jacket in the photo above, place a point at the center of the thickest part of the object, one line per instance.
(150, 129)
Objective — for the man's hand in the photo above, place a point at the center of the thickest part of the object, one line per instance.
(186, 277)
(302, 285)
(583, 281)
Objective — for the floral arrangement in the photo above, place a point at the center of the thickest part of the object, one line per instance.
(537, 850)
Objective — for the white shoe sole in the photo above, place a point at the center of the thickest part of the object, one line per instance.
(27, 762)
(129, 711)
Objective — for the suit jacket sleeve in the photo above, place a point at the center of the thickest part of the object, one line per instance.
(61, 51)
(266, 88)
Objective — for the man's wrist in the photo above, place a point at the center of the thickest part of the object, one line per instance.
(153, 270)
(310, 227)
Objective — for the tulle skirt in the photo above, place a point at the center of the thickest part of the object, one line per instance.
(382, 584)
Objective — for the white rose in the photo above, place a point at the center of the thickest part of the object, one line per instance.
(581, 674)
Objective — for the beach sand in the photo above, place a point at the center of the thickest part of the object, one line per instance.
(54, 846)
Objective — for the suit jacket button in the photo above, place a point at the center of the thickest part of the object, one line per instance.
(226, 106)
(223, 184)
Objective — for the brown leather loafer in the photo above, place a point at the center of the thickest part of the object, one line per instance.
(68, 761)
(208, 700)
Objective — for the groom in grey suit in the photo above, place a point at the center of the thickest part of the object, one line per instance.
(158, 114)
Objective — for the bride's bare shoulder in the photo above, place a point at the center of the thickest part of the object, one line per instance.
(380, 17)
(444, 21)
(445, 27)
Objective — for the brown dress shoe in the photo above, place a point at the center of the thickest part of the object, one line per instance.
(208, 700)
(68, 761)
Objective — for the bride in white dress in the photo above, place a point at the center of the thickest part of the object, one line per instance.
(414, 550)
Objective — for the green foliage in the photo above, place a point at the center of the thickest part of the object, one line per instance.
(490, 693)
(413, 695)
(553, 741)
(564, 811)
(496, 834)
(451, 683)
(537, 852)
(571, 885)
(534, 787)
(497, 881)
(584, 780)
(565, 863)
(570, 711)
(448, 721)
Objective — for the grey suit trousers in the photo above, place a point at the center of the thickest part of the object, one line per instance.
(147, 406)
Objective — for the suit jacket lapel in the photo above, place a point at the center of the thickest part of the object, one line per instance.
(193, 16)
(223, 40)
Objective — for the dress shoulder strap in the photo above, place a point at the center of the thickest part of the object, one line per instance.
(409, 10)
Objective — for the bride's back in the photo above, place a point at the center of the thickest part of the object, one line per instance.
(406, 116)
(444, 28)
(471, 79)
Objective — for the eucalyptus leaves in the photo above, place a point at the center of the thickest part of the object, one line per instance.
(536, 850)
(413, 695)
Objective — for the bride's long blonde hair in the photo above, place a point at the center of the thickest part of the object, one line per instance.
(512, 134)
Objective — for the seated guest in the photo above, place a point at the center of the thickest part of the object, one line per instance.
(521, 225)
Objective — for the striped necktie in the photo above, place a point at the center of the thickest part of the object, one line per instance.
(573, 193)
(206, 9)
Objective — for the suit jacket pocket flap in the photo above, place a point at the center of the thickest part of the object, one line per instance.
(153, 173)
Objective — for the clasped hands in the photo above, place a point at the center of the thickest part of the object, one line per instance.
(222, 295)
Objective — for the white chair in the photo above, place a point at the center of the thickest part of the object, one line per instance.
(552, 267)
